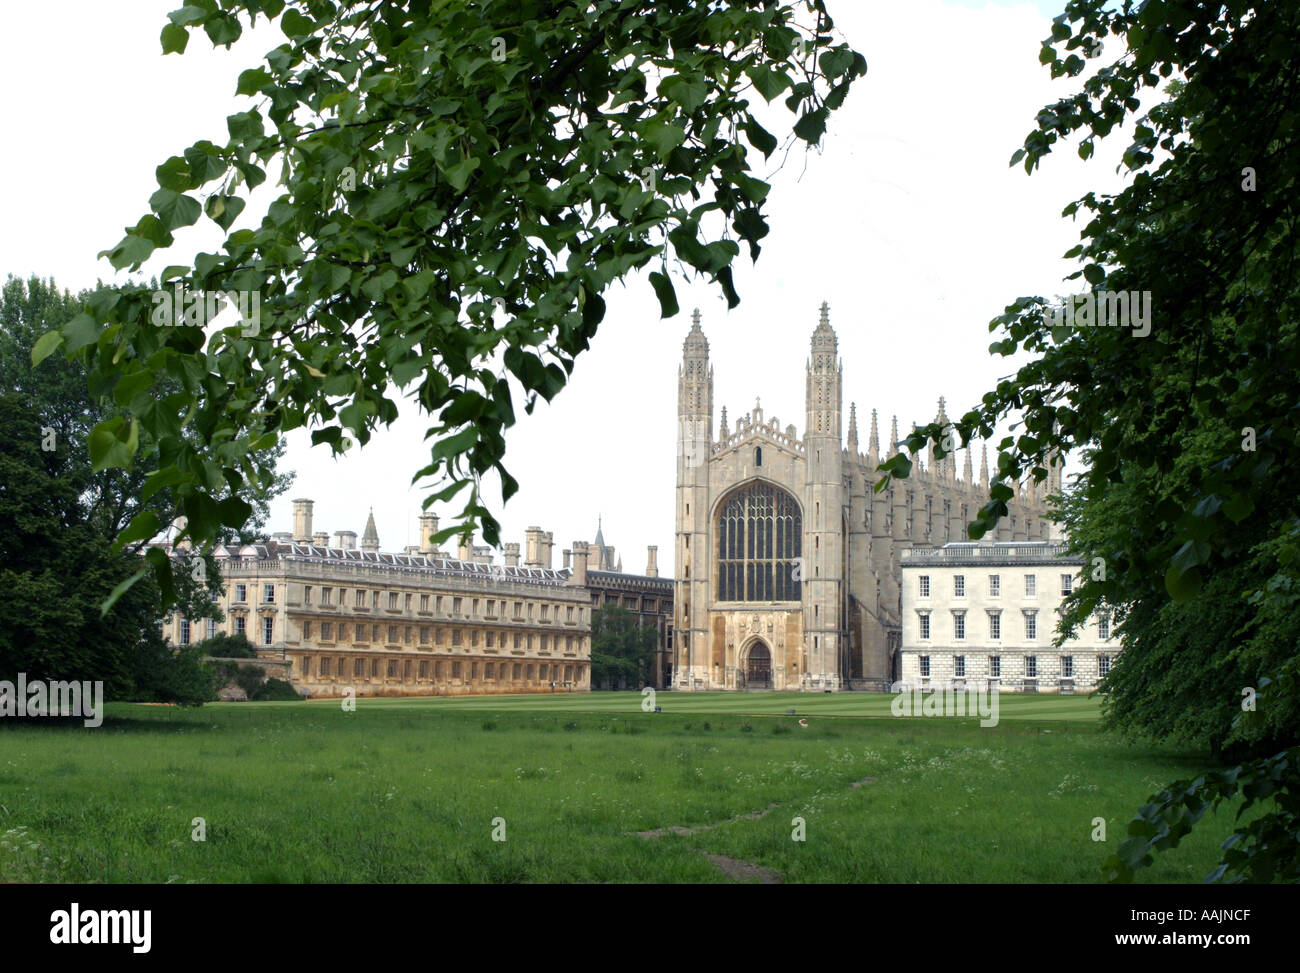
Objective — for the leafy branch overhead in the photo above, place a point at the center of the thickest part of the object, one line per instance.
(460, 184)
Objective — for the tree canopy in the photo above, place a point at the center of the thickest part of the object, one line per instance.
(1186, 510)
(460, 184)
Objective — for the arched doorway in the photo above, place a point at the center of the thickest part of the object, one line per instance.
(758, 667)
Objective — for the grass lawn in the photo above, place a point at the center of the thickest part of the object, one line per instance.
(407, 790)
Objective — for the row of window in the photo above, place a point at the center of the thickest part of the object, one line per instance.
(241, 628)
(995, 585)
(362, 598)
(439, 670)
(406, 634)
(995, 624)
(1031, 666)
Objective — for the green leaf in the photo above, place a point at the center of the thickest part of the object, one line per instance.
(174, 39)
(45, 346)
(174, 209)
(294, 24)
(113, 443)
(252, 81)
(663, 137)
(666, 294)
(759, 137)
(120, 590)
(80, 332)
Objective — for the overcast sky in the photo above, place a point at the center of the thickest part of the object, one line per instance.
(907, 220)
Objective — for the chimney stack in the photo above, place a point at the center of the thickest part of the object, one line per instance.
(579, 576)
(548, 543)
(466, 549)
(567, 555)
(321, 538)
(512, 554)
(533, 547)
(302, 521)
(345, 540)
(428, 527)
(652, 561)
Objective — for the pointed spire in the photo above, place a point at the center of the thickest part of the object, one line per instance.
(695, 319)
(370, 539)
(984, 465)
(873, 442)
(853, 428)
(942, 416)
(826, 314)
(723, 433)
(966, 472)
(893, 436)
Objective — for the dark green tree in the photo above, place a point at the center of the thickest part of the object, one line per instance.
(1187, 510)
(622, 651)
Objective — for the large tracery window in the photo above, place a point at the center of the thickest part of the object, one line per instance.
(760, 540)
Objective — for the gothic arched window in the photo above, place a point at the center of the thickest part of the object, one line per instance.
(760, 542)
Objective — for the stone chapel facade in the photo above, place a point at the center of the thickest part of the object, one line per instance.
(788, 565)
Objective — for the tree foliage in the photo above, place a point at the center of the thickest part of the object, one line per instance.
(622, 650)
(1189, 498)
(460, 182)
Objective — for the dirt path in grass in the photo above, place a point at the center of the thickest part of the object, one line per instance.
(736, 868)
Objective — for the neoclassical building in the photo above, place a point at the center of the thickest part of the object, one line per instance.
(983, 615)
(789, 565)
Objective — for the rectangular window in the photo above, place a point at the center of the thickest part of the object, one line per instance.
(185, 631)
(268, 628)
(437, 635)
(514, 672)
(925, 666)
(995, 585)
(359, 600)
(241, 592)
(959, 666)
(568, 615)
(407, 603)
(959, 625)
(406, 635)
(392, 668)
(374, 633)
(455, 636)
(392, 599)
(424, 668)
(306, 665)
(1067, 667)
(325, 666)
(392, 634)
(374, 599)
(1031, 625)
(268, 593)
(474, 607)
(1103, 664)
(473, 637)
(1067, 584)
(924, 618)
(455, 670)
(343, 631)
(326, 631)
(424, 603)
(491, 608)
(995, 625)
(212, 627)
(455, 606)
(358, 667)
(1103, 626)
(1031, 585)
(1031, 666)
(491, 639)
(925, 585)
(325, 596)
(995, 667)
(519, 609)
(306, 595)
(959, 585)
(424, 634)
(306, 630)
(518, 640)
(241, 625)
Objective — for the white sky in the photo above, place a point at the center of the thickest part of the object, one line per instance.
(908, 221)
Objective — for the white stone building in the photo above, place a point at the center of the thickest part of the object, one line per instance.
(981, 613)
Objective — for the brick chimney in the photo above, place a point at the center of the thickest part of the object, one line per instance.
(652, 561)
